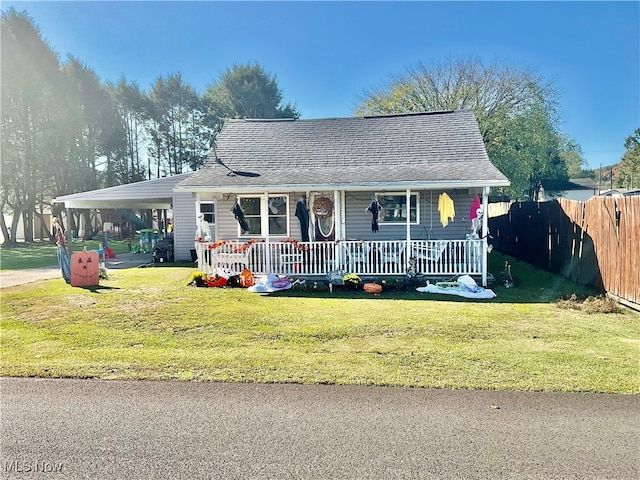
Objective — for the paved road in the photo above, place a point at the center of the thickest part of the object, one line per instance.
(156, 430)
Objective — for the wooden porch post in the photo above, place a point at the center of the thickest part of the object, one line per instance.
(485, 231)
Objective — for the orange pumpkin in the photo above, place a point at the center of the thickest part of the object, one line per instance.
(372, 288)
(85, 269)
(246, 278)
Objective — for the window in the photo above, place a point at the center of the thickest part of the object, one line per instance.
(278, 215)
(394, 208)
(207, 209)
(251, 208)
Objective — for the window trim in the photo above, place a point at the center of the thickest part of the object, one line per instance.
(404, 195)
(262, 209)
(213, 210)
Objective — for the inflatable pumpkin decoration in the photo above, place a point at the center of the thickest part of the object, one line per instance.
(372, 288)
(85, 269)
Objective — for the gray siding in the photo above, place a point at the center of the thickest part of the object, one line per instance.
(184, 225)
(358, 220)
(227, 226)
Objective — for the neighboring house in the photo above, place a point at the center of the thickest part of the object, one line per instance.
(621, 192)
(412, 170)
(41, 228)
(581, 189)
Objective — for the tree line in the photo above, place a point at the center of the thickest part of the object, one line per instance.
(66, 131)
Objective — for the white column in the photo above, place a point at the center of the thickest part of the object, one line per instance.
(337, 218)
(485, 231)
(408, 247)
(264, 227)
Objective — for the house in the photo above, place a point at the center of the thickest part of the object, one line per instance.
(580, 189)
(621, 192)
(380, 195)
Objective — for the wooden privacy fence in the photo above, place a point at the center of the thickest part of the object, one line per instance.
(596, 242)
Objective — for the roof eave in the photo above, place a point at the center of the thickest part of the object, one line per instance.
(353, 187)
(159, 204)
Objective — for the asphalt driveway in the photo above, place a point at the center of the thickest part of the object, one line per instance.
(151, 430)
(11, 278)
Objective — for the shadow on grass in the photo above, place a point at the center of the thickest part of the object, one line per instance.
(98, 288)
(511, 295)
(532, 285)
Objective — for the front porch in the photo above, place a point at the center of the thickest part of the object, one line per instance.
(436, 258)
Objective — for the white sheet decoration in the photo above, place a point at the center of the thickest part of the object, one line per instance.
(464, 287)
(271, 283)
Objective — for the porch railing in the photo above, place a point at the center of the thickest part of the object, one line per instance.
(365, 258)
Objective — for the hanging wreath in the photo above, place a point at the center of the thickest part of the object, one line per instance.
(322, 206)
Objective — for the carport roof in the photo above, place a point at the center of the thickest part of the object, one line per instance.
(156, 193)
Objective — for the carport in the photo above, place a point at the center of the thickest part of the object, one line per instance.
(154, 194)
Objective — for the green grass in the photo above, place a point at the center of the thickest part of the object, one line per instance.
(42, 254)
(148, 324)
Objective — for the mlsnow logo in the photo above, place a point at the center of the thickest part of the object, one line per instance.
(31, 466)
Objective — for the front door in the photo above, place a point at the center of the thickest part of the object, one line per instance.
(323, 209)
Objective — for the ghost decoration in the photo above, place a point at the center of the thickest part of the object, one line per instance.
(203, 233)
(85, 269)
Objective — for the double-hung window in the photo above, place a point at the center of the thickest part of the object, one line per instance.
(207, 209)
(395, 209)
(278, 215)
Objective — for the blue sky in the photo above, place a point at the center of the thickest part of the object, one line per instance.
(326, 54)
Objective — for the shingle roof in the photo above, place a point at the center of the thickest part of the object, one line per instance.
(359, 151)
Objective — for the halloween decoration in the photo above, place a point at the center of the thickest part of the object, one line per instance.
(372, 288)
(61, 253)
(246, 278)
(375, 209)
(323, 212)
(475, 205)
(216, 281)
(302, 212)
(272, 283)
(465, 286)
(203, 232)
(446, 208)
(507, 279)
(85, 269)
(476, 223)
(238, 213)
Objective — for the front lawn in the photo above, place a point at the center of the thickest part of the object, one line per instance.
(148, 324)
(43, 254)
